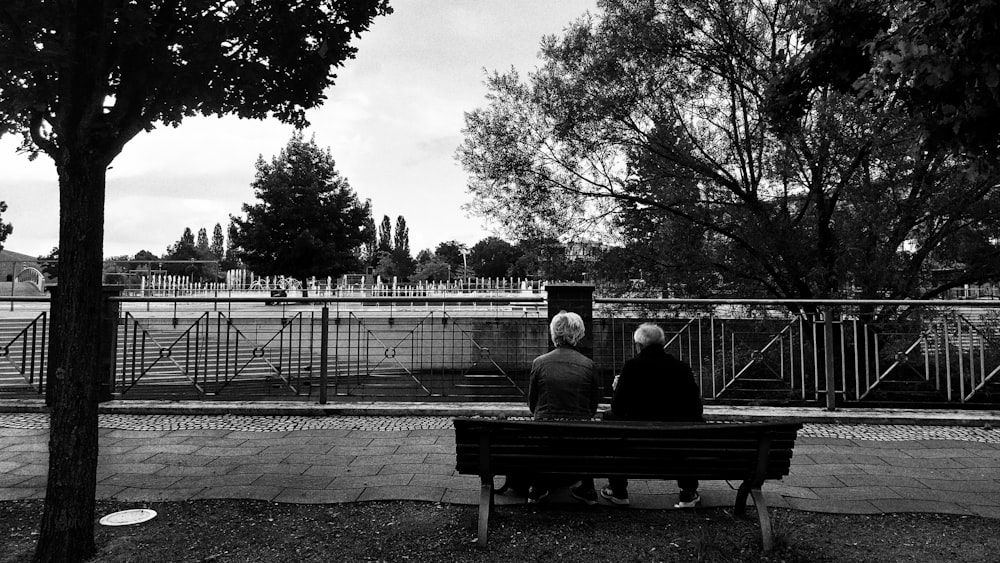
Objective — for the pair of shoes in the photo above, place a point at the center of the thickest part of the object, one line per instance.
(609, 495)
(688, 499)
(536, 495)
(588, 497)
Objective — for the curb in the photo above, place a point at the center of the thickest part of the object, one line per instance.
(816, 415)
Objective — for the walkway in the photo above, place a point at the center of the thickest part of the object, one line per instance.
(283, 457)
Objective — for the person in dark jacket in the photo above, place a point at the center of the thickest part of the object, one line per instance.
(563, 386)
(654, 386)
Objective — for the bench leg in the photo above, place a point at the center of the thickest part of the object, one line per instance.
(741, 499)
(485, 507)
(766, 533)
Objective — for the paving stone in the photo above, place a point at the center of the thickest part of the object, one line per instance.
(127, 457)
(985, 485)
(318, 496)
(333, 460)
(239, 491)
(141, 434)
(856, 493)
(809, 481)
(789, 491)
(293, 481)
(261, 468)
(363, 450)
(829, 469)
(105, 450)
(311, 449)
(247, 459)
(138, 481)
(408, 441)
(959, 497)
(915, 472)
(427, 449)
(978, 461)
(277, 436)
(428, 494)
(927, 462)
(154, 495)
(941, 452)
(339, 470)
(220, 442)
(440, 458)
(985, 511)
(195, 471)
(393, 459)
(157, 440)
(878, 481)
(399, 480)
(912, 505)
(21, 493)
(425, 468)
(443, 481)
(222, 451)
(839, 458)
(30, 469)
(340, 441)
(833, 506)
(133, 468)
(166, 449)
(213, 481)
(27, 447)
(8, 479)
(181, 460)
(372, 433)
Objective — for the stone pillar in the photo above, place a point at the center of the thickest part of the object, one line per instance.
(574, 298)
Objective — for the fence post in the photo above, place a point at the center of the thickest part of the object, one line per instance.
(831, 391)
(324, 340)
(575, 298)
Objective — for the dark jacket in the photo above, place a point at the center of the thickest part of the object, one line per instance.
(656, 386)
(563, 384)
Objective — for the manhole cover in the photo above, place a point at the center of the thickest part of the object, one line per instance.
(128, 517)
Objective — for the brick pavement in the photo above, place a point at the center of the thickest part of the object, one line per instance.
(836, 467)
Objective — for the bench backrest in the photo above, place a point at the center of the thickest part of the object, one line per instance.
(624, 448)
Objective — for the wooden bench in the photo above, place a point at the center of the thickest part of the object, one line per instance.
(750, 452)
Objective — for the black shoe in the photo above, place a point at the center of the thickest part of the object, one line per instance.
(588, 497)
(609, 495)
(536, 495)
(688, 499)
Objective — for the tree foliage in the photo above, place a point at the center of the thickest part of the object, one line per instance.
(649, 122)
(493, 257)
(79, 80)
(308, 221)
(937, 59)
(5, 228)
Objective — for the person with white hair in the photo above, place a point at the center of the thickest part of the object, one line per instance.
(563, 386)
(654, 385)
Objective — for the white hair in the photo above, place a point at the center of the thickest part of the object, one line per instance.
(566, 328)
(648, 334)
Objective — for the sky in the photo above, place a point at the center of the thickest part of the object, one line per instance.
(392, 122)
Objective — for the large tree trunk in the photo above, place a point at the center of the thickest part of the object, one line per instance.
(67, 530)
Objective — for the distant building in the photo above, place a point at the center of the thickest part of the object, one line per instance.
(585, 251)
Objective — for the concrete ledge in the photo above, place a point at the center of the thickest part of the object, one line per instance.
(974, 418)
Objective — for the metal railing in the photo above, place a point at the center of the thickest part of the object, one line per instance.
(832, 353)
